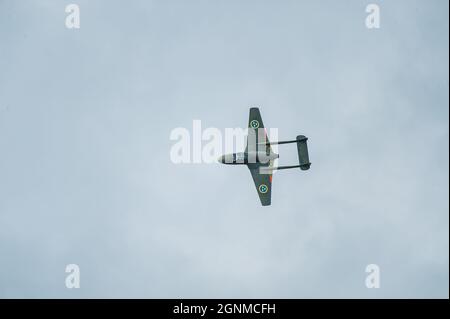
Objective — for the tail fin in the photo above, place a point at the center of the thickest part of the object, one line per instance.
(303, 156)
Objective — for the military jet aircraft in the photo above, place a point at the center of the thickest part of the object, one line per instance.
(259, 157)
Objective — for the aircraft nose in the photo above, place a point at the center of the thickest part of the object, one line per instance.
(221, 159)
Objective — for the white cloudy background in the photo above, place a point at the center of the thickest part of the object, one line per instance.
(86, 177)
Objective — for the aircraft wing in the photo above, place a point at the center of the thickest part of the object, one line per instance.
(256, 132)
(263, 184)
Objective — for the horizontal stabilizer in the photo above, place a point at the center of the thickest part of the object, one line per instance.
(303, 156)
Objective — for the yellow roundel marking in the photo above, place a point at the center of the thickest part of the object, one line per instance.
(263, 188)
(254, 124)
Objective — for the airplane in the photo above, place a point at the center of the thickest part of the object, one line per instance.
(259, 157)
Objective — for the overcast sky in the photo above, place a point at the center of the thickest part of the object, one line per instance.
(85, 170)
